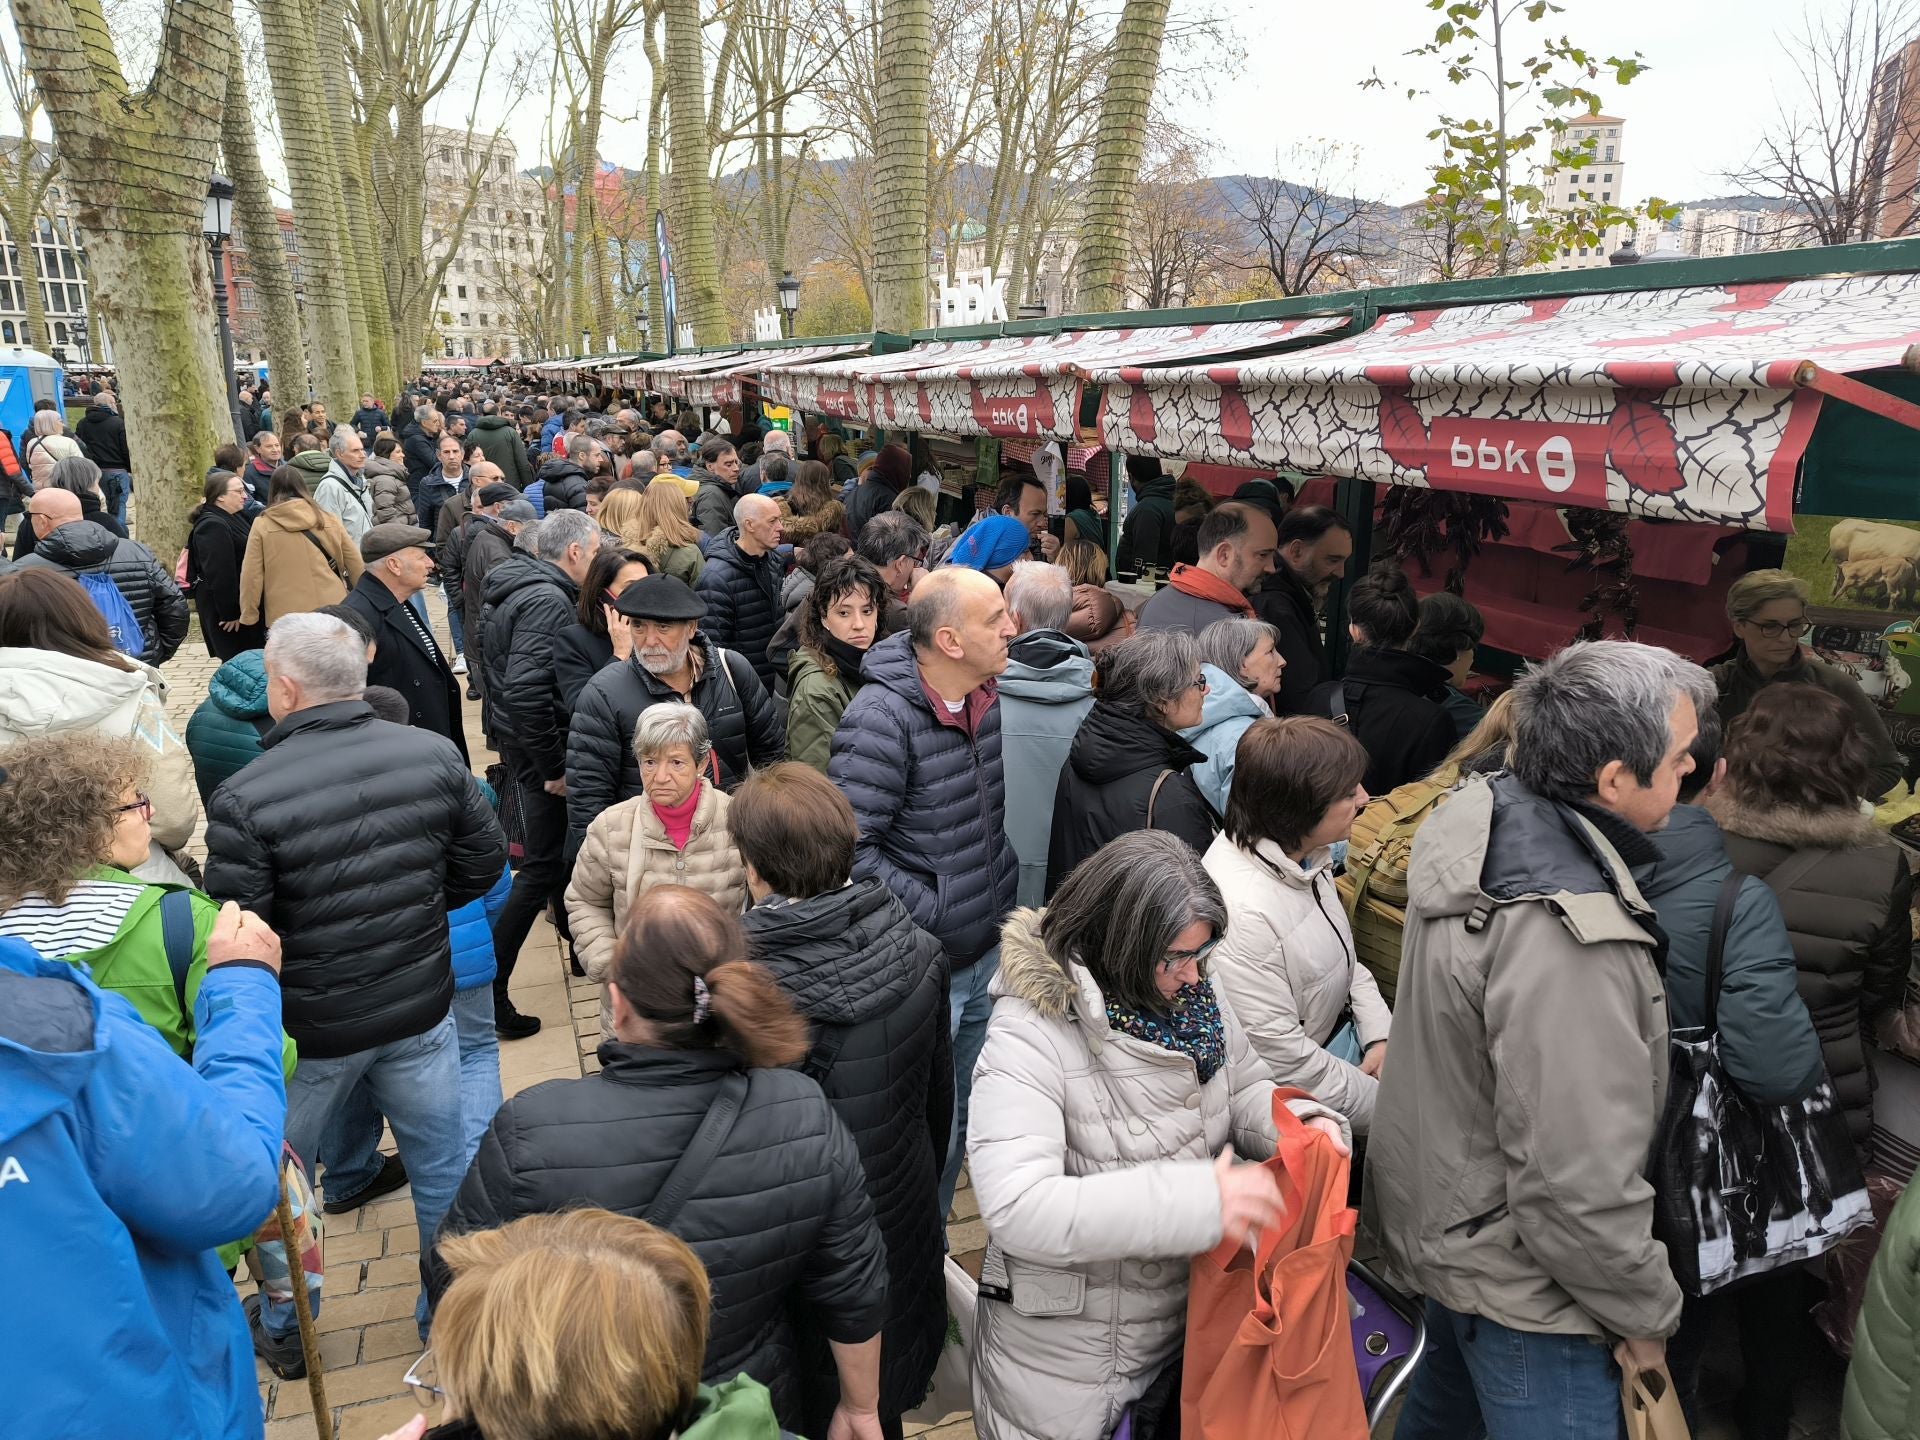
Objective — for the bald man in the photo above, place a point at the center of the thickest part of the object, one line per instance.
(918, 756)
(740, 582)
(144, 610)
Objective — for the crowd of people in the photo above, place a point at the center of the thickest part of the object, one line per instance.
(895, 849)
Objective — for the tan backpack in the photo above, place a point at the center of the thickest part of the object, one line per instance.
(1374, 887)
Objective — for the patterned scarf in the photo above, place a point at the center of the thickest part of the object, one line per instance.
(1191, 1027)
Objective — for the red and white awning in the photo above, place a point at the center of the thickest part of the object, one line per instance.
(1012, 386)
(722, 386)
(1690, 404)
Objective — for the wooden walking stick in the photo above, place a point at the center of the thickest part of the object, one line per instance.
(303, 1311)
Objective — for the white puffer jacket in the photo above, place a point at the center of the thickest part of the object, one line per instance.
(1287, 964)
(1092, 1158)
(43, 692)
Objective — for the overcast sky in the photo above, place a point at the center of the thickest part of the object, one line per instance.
(1693, 115)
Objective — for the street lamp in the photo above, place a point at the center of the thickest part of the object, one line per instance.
(789, 292)
(1031, 310)
(217, 224)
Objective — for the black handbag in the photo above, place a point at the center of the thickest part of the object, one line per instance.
(1742, 1188)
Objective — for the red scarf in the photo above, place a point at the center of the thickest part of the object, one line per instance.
(1205, 585)
(678, 819)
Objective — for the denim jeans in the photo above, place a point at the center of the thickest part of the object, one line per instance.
(968, 1006)
(350, 1146)
(415, 1082)
(454, 625)
(480, 1096)
(115, 487)
(1479, 1378)
(542, 874)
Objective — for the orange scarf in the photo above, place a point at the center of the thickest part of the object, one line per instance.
(1205, 585)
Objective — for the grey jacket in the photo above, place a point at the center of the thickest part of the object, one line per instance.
(1527, 1074)
(1172, 609)
(1045, 692)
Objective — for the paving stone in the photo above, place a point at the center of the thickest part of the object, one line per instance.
(403, 1240)
(352, 1311)
(392, 1337)
(396, 1270)
(377, 1381)
(353, 1246)
(370, 1422)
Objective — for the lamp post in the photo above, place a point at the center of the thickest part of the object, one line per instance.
(1031, 310)
(217, 224)
(788, 289)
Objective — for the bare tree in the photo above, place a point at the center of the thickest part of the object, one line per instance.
(1125, 105)
(1314, 234)
(1835, 151)
(1184, 232)
(25, 176)
(259, 229)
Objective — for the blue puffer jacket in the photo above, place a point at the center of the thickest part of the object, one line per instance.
(471, 930)
(224, 733)
(930, 801)
(117, 1158)
(1229, 712)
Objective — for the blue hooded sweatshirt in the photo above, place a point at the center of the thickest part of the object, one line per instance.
(120, 1170)
(1229, 712)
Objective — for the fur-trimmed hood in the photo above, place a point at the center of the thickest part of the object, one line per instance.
(1029, 972)
(1794, 827)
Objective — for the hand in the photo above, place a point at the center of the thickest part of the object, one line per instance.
(229, 625)
(412, 1430)
(1374, 1060)
(1646, 1354)
(555, 787)
(1049, 545)
(854, 1425)
(1249, 1198)
(1331, 1129)
(242, 935)
(618, 632)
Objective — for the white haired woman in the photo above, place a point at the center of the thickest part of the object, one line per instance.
(1113, 1080)
(673, 833)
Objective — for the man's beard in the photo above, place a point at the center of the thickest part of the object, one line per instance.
(672, 663)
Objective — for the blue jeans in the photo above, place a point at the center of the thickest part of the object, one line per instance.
(480, 1096)
(415, 1083)
(350, 1145)
(115, 487)
(968, 1006)
(1479, 1378)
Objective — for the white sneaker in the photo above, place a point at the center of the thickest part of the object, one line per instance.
(459, 663)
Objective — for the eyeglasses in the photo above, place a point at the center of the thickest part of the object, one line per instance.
(1774, 629)
(421, 1378)
(1175, 959)
(140, 803)
(1199, 682)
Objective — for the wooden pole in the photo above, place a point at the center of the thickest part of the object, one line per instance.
(303, 1311)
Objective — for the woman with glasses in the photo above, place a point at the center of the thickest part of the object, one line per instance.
(1128, 767)
(581, 1323)
(1114, 1095)
(1768, 609)
(75, 821)
(1287, 963)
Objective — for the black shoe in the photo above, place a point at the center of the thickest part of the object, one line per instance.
(510, 1024)
(573, 962)
(392, 1175)
(473, 691)
(284, 1357)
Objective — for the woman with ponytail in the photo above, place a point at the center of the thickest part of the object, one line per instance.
(1392, 698)
(694, 1125)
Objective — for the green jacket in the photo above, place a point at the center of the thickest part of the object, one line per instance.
(224, 733)
(1882, 1399)
(683, 562)
(816, 698)
(741, 1409)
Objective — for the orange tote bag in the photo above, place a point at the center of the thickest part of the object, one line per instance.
(1269, 1345)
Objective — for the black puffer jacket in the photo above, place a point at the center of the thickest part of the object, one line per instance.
(147, 587)
(566, 486)
(780, 1218)
(529, 601)
(742, 592)
(869, 498)
(875, 987)
(1394, 705)
(421, 452)
(931, 803)
(742, 723)
(1108, 780)
(483, 545)
(353, 838)
(1285, 603)
(1847, 916)
(102, 433)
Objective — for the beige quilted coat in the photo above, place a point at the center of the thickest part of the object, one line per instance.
(626, 852)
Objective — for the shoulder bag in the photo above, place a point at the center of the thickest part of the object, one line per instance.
(1742, 1188)
(700, 1152)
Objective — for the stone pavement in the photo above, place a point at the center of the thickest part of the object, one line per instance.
(367, 1335)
